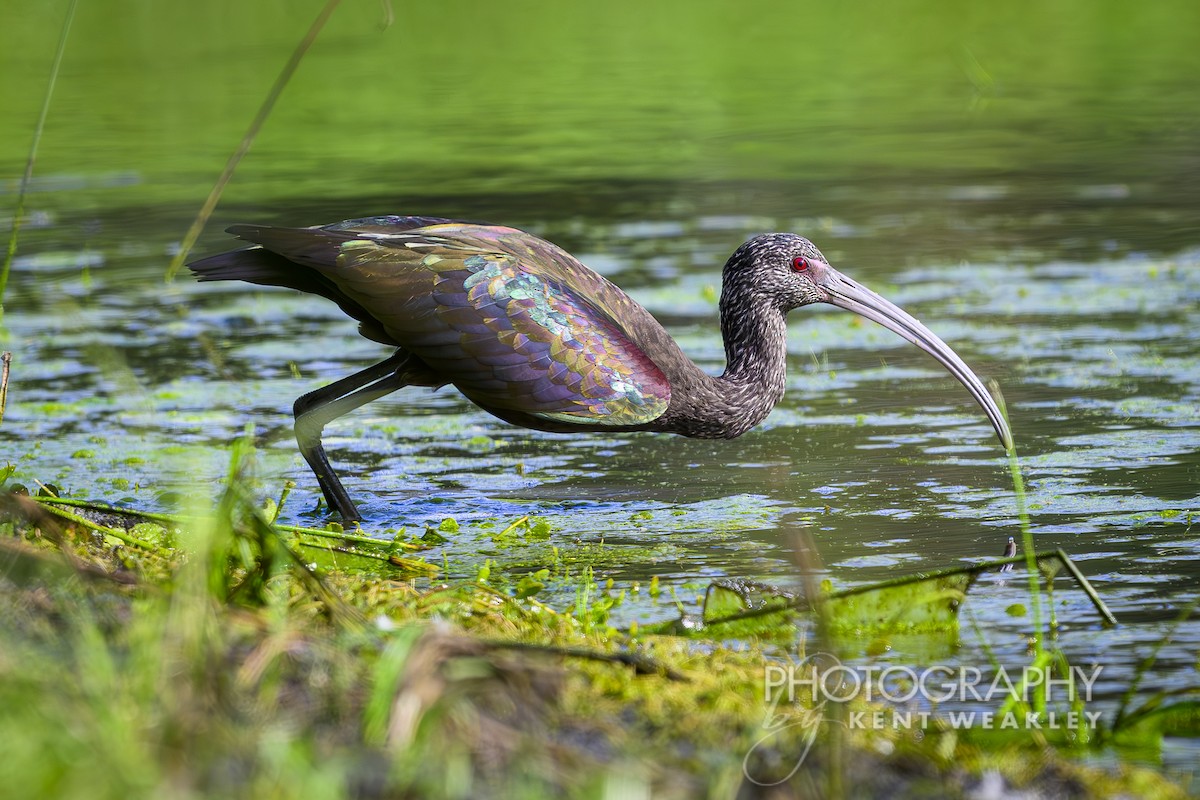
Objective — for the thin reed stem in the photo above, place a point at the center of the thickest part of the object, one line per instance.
(5, 365)
(19, 212)
(214, 197)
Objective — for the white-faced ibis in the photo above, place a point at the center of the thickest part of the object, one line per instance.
(531, 335)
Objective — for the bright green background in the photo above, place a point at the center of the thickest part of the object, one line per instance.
(484, 96)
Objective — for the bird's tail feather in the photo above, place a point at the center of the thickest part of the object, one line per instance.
(264, 268)
(296, 258)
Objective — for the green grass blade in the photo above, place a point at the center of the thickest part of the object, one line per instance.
(214, 197)
(33, 148)
(1027, 544)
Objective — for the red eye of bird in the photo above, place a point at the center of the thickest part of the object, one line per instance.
(800, 264)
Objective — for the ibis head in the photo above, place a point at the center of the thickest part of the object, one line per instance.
(788, 271)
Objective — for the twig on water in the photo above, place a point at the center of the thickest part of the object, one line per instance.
(19, 212)
(116, 533)
(189, 241)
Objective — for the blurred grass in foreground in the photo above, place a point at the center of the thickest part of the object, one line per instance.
(232, 668)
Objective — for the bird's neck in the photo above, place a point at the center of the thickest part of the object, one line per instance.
(755, 334)
(726, 406)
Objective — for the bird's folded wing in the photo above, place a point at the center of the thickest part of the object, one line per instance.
(511, 326)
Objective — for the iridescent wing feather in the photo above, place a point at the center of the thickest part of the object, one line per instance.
(514, 322)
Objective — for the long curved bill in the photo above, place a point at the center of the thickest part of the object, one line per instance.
(853, 296)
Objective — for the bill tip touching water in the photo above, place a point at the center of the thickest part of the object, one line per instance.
(531, 335)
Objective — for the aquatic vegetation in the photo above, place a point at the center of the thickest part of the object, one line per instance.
(205, 655)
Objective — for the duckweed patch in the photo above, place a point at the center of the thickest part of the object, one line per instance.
(373, 681)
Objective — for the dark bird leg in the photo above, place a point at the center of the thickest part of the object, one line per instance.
(316, 409)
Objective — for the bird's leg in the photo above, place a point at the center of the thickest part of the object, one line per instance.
(316, 409)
